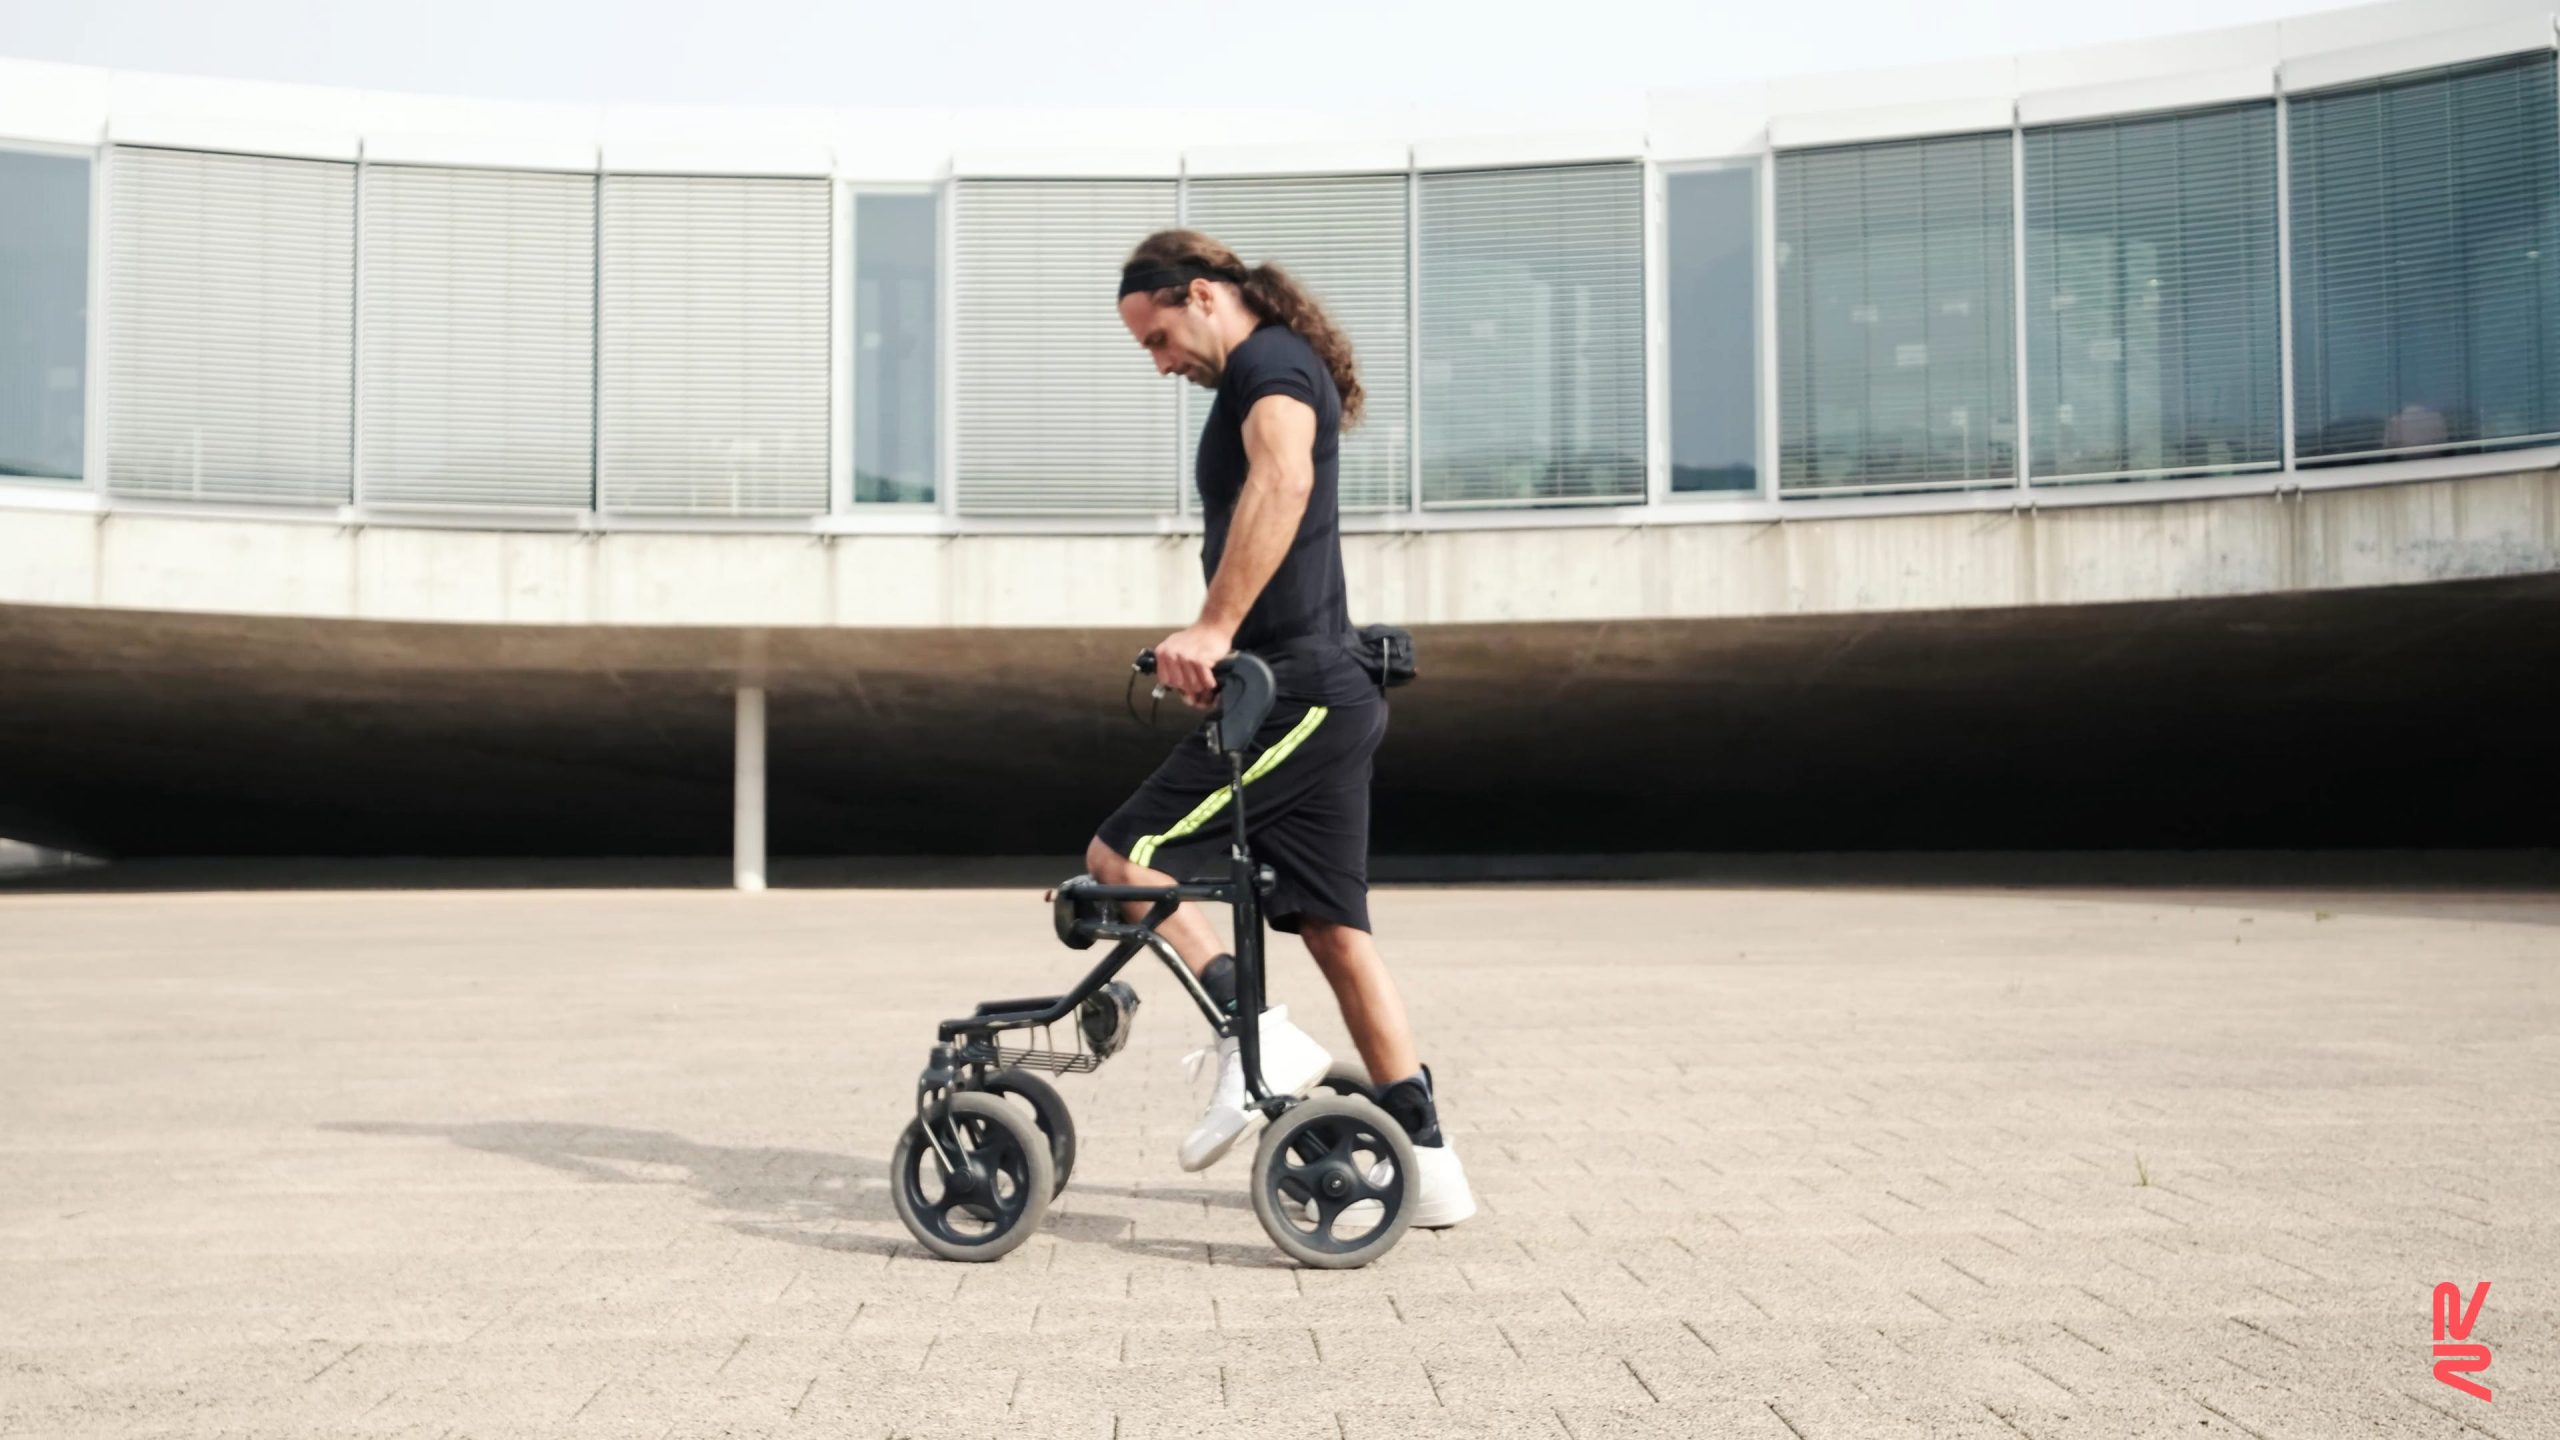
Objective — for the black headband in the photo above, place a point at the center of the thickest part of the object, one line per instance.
(1151, 278)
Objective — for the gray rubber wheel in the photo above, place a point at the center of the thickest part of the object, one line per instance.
(1001, 1197)
(1048, 1111)
(1333, 1182)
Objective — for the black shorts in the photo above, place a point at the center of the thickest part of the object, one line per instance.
(1306, 798)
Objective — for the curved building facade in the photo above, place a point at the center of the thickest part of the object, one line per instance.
(2144, 445)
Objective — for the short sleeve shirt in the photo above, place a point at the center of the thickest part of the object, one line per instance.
(1301, 623)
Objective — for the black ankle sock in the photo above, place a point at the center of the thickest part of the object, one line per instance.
(1409, 1102)
(1219, 979)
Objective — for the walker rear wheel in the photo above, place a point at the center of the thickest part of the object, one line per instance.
(1048, 1111)
(1334, 1183)
(1349, 1077)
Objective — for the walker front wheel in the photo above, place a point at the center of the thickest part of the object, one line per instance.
(993, 1197)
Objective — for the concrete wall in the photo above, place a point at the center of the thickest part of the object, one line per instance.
(2268, 542)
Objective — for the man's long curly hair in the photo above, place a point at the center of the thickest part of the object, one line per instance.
(1270, 292)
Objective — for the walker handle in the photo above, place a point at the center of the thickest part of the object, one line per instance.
(1246, 693)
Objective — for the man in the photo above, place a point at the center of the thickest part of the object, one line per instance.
(1272, 553)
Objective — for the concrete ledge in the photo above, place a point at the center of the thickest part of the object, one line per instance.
(2271, 542)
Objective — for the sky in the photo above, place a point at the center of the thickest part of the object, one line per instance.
(1321, 54)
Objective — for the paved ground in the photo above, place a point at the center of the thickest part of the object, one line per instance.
(1776, 1163)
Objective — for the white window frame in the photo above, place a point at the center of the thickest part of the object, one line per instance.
(844, 441)
(1764, 278)
(91, 480)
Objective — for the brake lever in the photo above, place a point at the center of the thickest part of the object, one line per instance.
(1145, 664)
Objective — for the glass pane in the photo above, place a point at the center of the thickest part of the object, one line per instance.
(897, 351)
(2426, 254)
(1712, 257)
(1532, 339)
(232, 316)
(477, 321)
(44, 314)
(1055, 410)
(2151, 294)
(1895, 364)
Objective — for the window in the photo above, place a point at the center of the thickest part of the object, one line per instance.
(2151, 295)
(1344, 238)
(1532, 343)
(1711, 262)
(44, 314)
(2426, 262)
(897, 347)
(478, 379)
(1894, 316)
(712, 375)
(1057, 411)
(231, 324)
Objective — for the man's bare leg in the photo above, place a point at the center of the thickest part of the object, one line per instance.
(1374, 1013)
(1187, 930)
(1371, 1008)
(1292, 1060)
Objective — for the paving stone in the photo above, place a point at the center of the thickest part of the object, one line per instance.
(1785, 1164)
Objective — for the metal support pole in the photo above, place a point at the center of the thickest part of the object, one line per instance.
(748, 847)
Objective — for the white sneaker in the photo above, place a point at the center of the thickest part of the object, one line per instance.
(1292, 1062)
(1442, 1197)
(1445, 1197)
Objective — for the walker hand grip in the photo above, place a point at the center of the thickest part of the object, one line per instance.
(1246, 693)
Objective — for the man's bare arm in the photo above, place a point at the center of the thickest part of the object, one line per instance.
(1280, 475)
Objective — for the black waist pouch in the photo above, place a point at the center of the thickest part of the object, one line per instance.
(1386, 652)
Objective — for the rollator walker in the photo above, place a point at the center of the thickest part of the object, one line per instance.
(1333, 1180)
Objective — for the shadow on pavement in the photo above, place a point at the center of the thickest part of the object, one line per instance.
(799, 1197)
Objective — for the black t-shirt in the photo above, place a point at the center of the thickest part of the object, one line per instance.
(1301, 623)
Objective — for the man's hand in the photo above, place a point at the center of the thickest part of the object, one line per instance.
(1183, 659)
